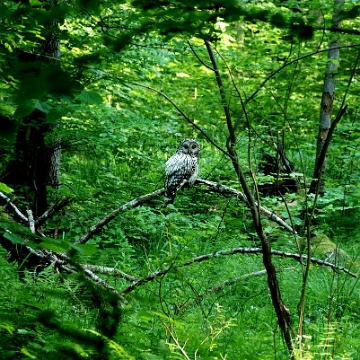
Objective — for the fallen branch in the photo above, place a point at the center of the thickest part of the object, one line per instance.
(62, 261)
(251, 251)
(100, 282)
(109, 270)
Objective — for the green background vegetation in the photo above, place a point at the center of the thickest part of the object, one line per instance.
(116, 135)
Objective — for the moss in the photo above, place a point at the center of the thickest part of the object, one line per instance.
(322, 246)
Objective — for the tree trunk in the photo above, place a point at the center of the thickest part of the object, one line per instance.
(36, 160)
(327, 99)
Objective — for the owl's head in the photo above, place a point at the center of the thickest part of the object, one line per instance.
(190, 147)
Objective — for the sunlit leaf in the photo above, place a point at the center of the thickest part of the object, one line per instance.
(90, 97)
(4, 188)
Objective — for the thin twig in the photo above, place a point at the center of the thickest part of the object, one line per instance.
(198, 57)
(52, 210)
(292, 62)
(182, 113)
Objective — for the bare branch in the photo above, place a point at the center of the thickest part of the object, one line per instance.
(100, 282)
(52, 210)
(225, 190)
(109, 270)
(31, 221)
(250, 251)
(14, 209)
(281, 310)
(224, 100)
(129, 205)
(220, 286)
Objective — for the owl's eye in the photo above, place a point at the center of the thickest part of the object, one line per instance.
(186, 146)
(193, 146)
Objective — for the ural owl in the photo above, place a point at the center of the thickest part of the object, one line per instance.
(182, 168)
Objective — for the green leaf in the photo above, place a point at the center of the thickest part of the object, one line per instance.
(85, 249)
(56, 114)
(24, 109)
(7, 327)
(43, 106)
(4, 188)
(13, 238)
(35, 3)
(27, 353)
(90, 97)
(53, 245)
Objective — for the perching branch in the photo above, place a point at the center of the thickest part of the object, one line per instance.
(213, 186)
(129, 205)
(225, 190)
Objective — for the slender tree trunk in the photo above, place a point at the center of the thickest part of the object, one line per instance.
(281, 310)
(51, 48)
(327, 99)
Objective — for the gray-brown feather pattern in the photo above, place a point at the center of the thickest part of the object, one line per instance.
(182, 167)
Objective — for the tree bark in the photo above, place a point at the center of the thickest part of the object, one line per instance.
(327, 98)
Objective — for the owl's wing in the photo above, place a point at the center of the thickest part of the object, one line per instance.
(175, 163)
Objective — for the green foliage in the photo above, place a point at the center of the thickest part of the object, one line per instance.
(115, 139)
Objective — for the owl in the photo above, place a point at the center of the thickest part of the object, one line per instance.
(182, 168)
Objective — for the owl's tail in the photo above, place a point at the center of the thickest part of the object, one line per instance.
(171, 191)
(170, 197)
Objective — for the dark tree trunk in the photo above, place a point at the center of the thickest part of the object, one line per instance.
(34, 165)
(36, 159)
